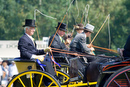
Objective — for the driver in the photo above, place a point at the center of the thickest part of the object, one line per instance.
(27, 46)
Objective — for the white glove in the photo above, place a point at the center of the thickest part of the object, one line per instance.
(90, 46)
(92, 49)
(48, 49)
(41, 58)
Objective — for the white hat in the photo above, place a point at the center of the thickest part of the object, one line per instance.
(89, 28)
(1, 60)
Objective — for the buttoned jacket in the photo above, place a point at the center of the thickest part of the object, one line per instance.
(126, 52)
(28, 48)
(57, 43)
(78, 44)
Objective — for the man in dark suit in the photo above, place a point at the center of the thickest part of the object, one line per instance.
(27, 46)
(78, 44)
(58, 41)
(126, 51)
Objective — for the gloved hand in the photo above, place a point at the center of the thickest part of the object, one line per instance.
(92, 49)
(89, 45)
(41, 58)
(48, 49)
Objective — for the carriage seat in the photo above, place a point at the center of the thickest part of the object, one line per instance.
(61, 59)
(25, 64)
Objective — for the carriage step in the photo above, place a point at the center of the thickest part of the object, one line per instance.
(75, 79)
(109, 71)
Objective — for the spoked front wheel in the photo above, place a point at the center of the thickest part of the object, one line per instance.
(33, 78)
(120, 78)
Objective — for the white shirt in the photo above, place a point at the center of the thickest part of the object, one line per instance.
(33, 56)
(30, 37)
(1, 72)
(12, 70)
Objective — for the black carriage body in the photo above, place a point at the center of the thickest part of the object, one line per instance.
(107, 69)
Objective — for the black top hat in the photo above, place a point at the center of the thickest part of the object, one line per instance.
(62, 26)
(29, 22)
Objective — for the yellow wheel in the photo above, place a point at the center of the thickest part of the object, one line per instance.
(62, 77)
(66, 68)
(33, 78)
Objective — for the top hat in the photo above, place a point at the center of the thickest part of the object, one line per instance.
(89, 28)
(62, 26)
(79, 26)
(29, 22)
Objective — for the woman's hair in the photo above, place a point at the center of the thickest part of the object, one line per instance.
(67, 36)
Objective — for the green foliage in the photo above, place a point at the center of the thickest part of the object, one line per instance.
(14, 12)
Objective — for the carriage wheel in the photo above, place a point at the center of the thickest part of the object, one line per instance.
(62, 77)
(120, 78)
(67, 66)
(33, 78)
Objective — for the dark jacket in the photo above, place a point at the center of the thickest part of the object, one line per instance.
(78, 44)
(57, 44)
(126, 52)
(27, 48)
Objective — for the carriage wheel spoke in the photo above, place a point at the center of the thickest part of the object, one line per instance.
(127, 78)
(50, 84)
(116, 83)
(21, 82)
(40, 81)
(31, 80)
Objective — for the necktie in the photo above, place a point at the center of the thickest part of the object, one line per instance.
(33, 40)
(61, 39)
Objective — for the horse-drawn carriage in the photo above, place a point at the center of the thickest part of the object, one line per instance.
(114, 73)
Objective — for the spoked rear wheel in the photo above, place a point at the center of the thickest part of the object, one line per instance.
(62, 77)
(120, 78)
(33, 78)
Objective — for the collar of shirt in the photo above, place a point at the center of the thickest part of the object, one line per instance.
(59, 36)
(62, 40)
(30, 37)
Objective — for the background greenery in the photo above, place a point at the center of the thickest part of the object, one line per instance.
(14, 12)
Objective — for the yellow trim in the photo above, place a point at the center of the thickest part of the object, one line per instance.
(79, 84)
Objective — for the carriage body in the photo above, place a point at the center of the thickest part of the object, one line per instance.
(108, 71)
(117, 71)
(30, 75)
